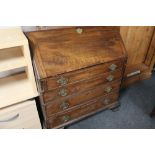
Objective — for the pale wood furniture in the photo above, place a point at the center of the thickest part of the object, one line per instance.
(14, 54)
(17, 82)
(140, 45)
(20, 116)
(78, 70)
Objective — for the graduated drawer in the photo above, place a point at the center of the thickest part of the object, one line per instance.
(20, 116)
(61, 105)
(82, 86)
(82, 111)
(78, 75)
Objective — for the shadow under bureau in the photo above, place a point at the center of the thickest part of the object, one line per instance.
(78, 70)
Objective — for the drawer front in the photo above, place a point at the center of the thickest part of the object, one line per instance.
(82, 86)
(82, 111)
(21, 116)
(62, 105)
(79, 75)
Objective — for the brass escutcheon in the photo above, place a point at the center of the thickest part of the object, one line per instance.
(113, 67)
(106, 101)
(79, 30)
(110, 78)
(64, 105)
(108, 89)
(62, 81)
(63, 92)
(65, 118)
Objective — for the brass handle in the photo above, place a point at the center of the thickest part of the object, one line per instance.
(113, 67)
(62, 81)
(10, 119)
(66, 118)
(108, 89)
(64, 105)
(63, 92)
(106, 101)
(110, 78)
(79, 30)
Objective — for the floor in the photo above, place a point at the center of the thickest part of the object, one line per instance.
(136, 102)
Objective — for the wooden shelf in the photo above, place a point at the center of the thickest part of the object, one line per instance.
(14, 89)
(11, 58)
(11, 37)
(14, 58)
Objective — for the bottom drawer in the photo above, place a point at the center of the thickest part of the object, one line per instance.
(20, 116)
(82, 111)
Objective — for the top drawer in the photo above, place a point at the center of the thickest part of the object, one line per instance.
(78, 75)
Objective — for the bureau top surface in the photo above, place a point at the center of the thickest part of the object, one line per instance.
(63, 50)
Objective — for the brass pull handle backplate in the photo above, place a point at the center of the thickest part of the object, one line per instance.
(63, 92)
(64, 105)
(106, 101)
(62, 81)
(79, 30)
(110, 78)
(66, 118)
(113, 67)
(108, 89)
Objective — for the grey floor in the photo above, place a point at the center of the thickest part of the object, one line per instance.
(136, 101)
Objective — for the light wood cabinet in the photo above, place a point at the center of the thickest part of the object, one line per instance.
(140, 45)
(20, 116)
(18, 84)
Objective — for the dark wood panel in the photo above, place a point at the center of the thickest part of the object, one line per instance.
(80, 75)
(75, 67)
(64, 50)
(82, 86)
(72, 115)
(61, 105)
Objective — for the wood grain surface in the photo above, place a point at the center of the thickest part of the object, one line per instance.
(64, 50)
(75, 67)
(140, 46)
(83, 110)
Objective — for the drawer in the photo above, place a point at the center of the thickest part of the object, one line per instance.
(78, 75)
(62, 105)
(81, 86)
(82, 111)
(20, 116)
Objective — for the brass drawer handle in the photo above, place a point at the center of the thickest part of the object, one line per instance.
(62, 81)
(63, 92)
(108, 89)
(106, 101)
(79, 30)
(10, 119)
(65, 118)
(112, 67)
(64, 105)
(110, 78)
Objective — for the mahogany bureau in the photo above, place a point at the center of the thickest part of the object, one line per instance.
(78, 71)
